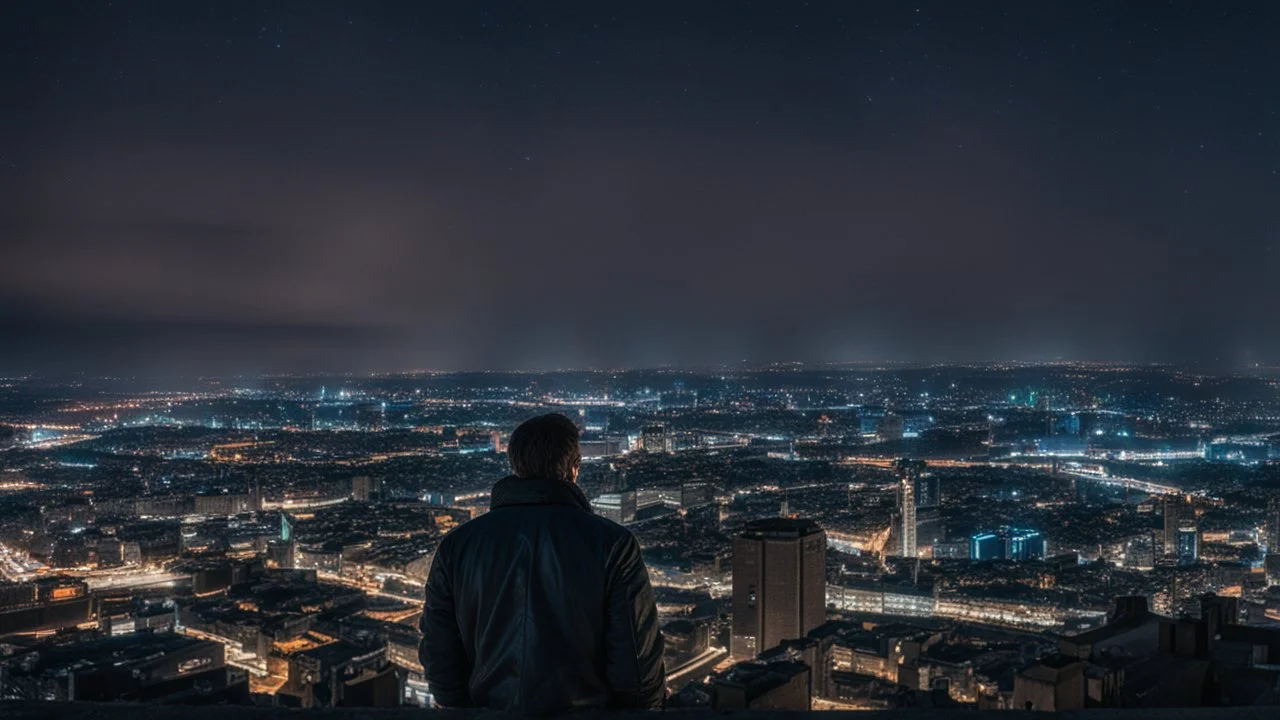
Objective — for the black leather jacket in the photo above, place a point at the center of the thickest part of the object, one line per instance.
(540, 607)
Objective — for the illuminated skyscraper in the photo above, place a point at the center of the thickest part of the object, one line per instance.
(911, 471)
(908, 517)
(1188, 544)
(1273, 524)
(779, 583)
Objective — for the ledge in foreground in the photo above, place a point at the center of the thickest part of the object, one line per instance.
(24, 710)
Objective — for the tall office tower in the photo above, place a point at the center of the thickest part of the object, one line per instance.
(911, 471)
(908, 518)
(779, 583)
(1176, 511)
(1188, 543)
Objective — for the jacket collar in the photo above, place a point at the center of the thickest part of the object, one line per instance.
(513, 490)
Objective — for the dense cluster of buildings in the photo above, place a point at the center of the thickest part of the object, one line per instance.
(843, 537)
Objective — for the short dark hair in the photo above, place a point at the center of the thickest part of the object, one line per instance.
(545, 447)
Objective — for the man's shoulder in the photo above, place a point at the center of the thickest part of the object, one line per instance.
(611, 528)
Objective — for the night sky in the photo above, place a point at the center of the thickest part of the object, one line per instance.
(226, 186)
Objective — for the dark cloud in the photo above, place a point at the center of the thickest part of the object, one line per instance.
(529, 185)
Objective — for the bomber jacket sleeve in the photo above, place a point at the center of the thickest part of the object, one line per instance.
(633, 653)
(444, 659)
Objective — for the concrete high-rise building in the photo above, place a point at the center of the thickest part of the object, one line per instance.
(779, 583)
(911, 471)
(1188, 544)
(908, 518)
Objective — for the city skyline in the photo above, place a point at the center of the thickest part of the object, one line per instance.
(854, 537)
(257, 188)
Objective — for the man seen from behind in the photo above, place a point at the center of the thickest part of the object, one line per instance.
(540, 607)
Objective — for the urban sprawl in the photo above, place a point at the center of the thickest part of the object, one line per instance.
(1049, 536)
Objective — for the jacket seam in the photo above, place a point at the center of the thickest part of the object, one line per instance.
(631, 624)
(524, 624)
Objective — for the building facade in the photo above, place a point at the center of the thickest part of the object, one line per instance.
(779, 583)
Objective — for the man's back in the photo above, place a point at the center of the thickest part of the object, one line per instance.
(541, 607)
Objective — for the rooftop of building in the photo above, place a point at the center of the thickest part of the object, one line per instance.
(780, 528)
(759, 678)
(338, 653)
(118, 651)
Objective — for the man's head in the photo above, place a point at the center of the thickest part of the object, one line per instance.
(545, 447)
